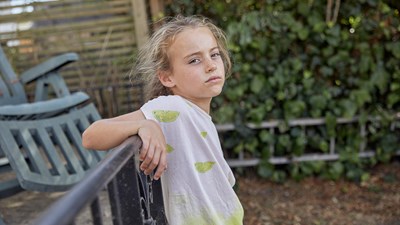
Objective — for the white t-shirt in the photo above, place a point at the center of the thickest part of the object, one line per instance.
(197, 186)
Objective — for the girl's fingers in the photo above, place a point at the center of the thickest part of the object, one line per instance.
(156, 157)
(148, 158)
(143, 151)
(154, 148)
(162, 166)
(153, 164)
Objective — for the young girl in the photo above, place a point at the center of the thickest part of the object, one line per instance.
(184, 66)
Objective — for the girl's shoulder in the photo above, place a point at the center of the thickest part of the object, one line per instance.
(172, 106)
(169, 105)
(169, 102)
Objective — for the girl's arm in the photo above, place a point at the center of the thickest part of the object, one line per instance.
(108, 133)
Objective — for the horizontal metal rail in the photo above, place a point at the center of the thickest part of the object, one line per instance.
(242, 161)
(126, 203)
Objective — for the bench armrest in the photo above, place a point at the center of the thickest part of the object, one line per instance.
(46, 75)
(48, 66)
(42, 109)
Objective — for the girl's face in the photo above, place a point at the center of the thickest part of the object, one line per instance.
(197, 71)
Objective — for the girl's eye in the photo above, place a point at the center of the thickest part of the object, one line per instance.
(215, 55)
(194, 61)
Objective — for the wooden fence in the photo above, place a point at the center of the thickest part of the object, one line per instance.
(105, 34)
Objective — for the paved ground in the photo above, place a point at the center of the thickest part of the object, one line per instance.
(313, 201)
(24, 207)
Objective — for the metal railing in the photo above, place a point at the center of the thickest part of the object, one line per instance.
(243, 160)
(134, 197)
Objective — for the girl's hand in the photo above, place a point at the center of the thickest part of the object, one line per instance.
(153, 153)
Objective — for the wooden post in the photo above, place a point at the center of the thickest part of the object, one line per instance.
(156, 9)
(141, 26)
(157, 12)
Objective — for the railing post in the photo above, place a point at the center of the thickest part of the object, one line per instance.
(124, 196)
(157, 205)
(96, 211)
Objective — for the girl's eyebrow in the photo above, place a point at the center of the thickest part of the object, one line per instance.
(199, 52)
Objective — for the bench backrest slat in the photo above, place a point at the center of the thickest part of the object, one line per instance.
(48, 153)
(11, 89)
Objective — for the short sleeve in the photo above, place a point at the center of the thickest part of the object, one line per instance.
(164, 109)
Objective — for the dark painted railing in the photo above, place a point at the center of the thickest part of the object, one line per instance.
(134, 197)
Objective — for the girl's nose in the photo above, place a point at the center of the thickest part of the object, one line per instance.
(211, 66)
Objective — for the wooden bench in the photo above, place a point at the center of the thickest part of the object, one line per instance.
(47, 155)
(52, 97)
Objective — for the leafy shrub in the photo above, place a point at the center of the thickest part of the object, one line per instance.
(293, 60)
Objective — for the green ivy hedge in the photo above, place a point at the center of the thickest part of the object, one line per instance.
(306, 59)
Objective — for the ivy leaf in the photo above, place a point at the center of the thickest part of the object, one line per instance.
(318, 101)
(299, 145)
(336, 170)
(284, 141)
(348, 108)
(394, 47)
(326, 71)
(303, 8)
(265, 169)
(324, 146)
(257, 114)
(294, 109)
(303, 33)
(380, 78)
(224, 114)
(360, 96)
(393, 98)
(267, 137)
(257, 84)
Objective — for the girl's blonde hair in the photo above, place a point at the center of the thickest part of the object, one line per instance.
(153, 56)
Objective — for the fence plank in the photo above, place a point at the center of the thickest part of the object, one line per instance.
(106, 35)
(141, 26)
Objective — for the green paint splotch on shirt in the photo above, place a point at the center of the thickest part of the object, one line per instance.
(236, 218)
(203, 167)
(203, 134)
(217, 219)
(170, 148)
(165, 116)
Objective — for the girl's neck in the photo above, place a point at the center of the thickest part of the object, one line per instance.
(203, 104)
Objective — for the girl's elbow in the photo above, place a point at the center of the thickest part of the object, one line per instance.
(87, 142)
(89, 137)
(92, 138)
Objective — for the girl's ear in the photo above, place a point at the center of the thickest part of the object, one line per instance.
(165, 78)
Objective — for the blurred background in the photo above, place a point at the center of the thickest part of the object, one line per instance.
(315, 88)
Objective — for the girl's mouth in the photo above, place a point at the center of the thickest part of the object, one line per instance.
(213, 79)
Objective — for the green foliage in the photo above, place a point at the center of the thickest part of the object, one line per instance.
(291, 63)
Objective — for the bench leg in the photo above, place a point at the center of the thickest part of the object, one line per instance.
(9, 188)
(2, 221)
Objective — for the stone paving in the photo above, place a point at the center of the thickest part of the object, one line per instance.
(24, 207)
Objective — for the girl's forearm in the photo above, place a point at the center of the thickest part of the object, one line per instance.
(106, 134)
